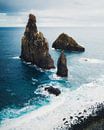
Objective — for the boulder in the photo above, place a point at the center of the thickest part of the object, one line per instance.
(66, 42)
(52, 90)
(34, 47)
(62, 69)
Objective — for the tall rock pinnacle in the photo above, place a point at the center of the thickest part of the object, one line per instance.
(34, 46)
(62, 66)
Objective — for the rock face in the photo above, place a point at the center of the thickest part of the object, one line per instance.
(62, 66)
(34, 46)
(53, 90)
(66, 42)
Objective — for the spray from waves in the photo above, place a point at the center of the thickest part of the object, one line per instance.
(68, 104)
(58, 78)
(62, 82)
(91, 60)
(36, 67)
(9, 113)
(16, 112)
(41, 89)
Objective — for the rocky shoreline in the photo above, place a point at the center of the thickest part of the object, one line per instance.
(96, 125)
(35, 49)
(94, 121)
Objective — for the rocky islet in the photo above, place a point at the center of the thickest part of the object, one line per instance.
(35, 48)
(65, 42)
(62, 69)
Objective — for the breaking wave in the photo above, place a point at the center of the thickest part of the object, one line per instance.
(69, 103)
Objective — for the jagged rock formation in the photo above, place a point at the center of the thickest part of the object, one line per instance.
(66, 42)
(52, 90)
(62, 66)
(34, 46)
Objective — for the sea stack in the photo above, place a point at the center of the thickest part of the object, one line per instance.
(62, 69)
(65, 42)
(34, 46)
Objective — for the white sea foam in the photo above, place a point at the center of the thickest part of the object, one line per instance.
(34, 80)
(37, 68)
(91, 60)
(41, 89)
(52, 48)
(54, 76)
(16, 57)
(67, 104)
(28, 63)
(51, 70)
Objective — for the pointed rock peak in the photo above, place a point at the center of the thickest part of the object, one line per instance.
(32, 18)
(63, 35)
(62, 65)
(31, 28)
(34, 47)
(65, 42)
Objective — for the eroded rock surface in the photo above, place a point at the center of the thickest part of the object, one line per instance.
(34, 46)
(65, 42)
(62, 69)
(53, 90)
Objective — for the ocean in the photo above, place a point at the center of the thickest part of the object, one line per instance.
(23, 102)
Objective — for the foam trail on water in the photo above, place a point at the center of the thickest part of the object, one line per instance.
(63, 106)
(91, 60)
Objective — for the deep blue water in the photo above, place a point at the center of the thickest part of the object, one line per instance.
(19, 82)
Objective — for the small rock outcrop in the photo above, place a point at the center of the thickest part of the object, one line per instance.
(62, 69)
(52, 90)
(66, 42)
(34, 46)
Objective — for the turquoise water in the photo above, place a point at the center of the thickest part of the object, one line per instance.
(21, 84)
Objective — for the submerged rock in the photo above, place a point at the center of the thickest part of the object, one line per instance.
(53, 90)
(62, 69)
(66, 42)
(34, 46)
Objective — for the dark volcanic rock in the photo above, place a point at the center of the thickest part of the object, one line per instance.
(64, 119)
(94, 121)
(62, 66)
(53, 90)
(34, 46)
(66, 42)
